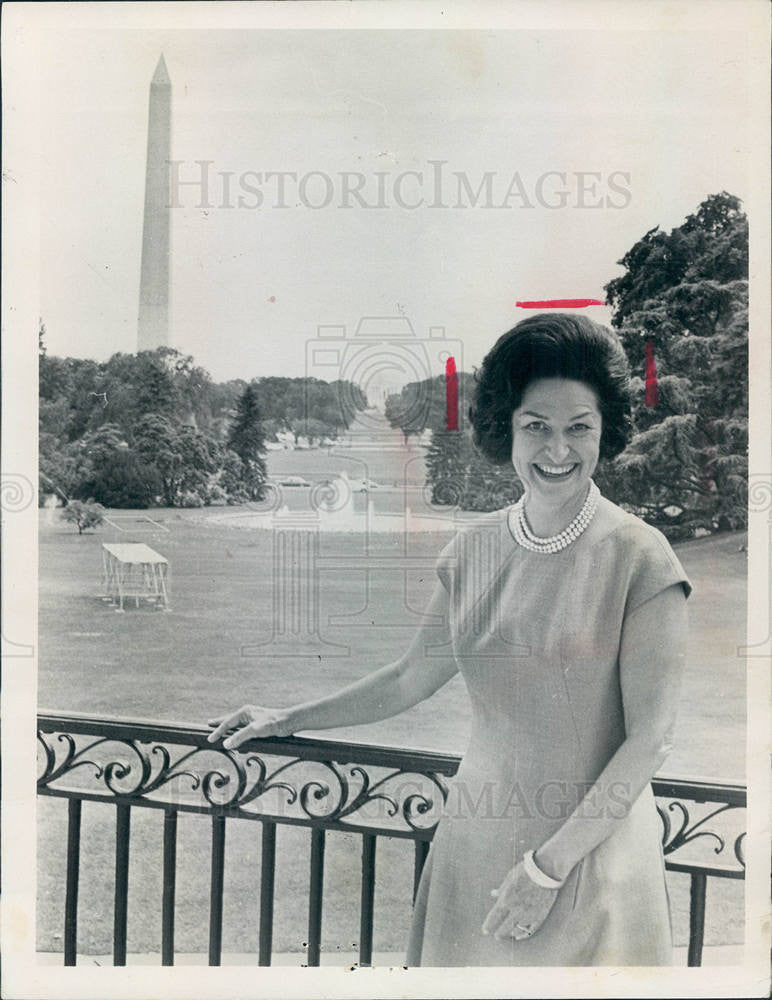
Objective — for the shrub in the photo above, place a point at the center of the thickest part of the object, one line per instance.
(191, 498)
(122, 479)
(215, 494)
(84, 513)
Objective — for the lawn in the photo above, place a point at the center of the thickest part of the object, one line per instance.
(186, 666)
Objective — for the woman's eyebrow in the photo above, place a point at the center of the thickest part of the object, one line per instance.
(533, 413)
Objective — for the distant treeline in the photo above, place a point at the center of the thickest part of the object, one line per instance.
(685, 295)
(153, 428)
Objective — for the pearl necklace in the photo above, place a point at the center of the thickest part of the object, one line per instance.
(523, 535)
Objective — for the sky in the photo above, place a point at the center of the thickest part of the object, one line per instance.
(636, 128)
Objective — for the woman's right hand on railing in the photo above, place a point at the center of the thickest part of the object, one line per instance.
(249, 722)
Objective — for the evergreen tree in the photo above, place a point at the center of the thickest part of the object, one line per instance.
(685, 294)
(457, 473)
(488, 486)
(246, 438)
(446, 464)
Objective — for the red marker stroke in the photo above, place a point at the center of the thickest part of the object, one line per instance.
(451, 395)
(651, 396)
(559, 303)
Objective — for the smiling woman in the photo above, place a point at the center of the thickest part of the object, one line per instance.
(580, 713)
(566, 617)
(556, 434)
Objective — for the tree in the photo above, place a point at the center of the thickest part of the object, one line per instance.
(312, 429)
(84, 514)
(246, 438)
(422, 405)
(83, 389)
(457, 473)
(130, 386)
(417, 406)
(346, 400)
(123, 480)
(149, 427)
(292, 401)
(488, 486)
(112, 473)
(271, 428)
(103, 441)
(446, 463)
(61, 467)
(686, 294)
(231, 478)
(201, 457)
(183, 458)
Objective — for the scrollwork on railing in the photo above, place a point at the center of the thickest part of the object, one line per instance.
(739, 848)
(395, 791)
(679, 828)
(409, 807)
(311, 789)
(112, 772)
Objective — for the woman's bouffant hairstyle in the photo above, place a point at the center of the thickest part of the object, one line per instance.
(551, 345)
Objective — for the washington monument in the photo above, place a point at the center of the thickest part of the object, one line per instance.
(153, 327)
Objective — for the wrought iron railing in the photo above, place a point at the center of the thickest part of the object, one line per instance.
(322, 784)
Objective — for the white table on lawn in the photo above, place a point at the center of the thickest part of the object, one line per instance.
(133, 569)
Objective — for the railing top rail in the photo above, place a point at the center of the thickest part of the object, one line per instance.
(340, 751)
(698, 789)
(733, 793)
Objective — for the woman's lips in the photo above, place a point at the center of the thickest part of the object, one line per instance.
(555, 473)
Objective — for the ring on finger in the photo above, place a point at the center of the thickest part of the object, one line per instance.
(524, 930)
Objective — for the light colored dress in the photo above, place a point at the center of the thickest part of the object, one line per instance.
(537, 639)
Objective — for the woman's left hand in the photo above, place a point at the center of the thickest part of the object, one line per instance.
(521, 906)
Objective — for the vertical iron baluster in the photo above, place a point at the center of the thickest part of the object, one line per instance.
(368, 896)
(170, 883)
(699, 881)
(122, 832)
(315, 900)
(73, 873)
(267, 871)
(216, 892)
(421, 851)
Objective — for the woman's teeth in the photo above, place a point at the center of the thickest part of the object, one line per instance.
(555, 471)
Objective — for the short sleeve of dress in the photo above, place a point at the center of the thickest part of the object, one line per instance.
(654, 567)
(447, 565)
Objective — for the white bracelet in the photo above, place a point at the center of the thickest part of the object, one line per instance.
(535, 874)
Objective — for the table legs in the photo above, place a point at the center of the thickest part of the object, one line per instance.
(137, 580)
